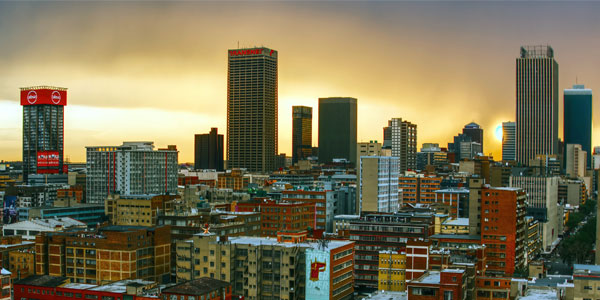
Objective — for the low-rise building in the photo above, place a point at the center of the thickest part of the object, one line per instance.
(137, 210)
(586, 279)
(281, 216)
(392, 271)
(202, 288)
(90, 214)
(29, 229)
(439, 285)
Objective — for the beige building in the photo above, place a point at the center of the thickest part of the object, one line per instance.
(455, 226)
(137, 210)
(371, 148)
(260, 268)
(576, 160)
(378, 184)
(586, 281)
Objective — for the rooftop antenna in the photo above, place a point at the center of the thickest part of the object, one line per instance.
(238, 45)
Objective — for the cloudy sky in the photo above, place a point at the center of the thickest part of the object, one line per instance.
(157, 70)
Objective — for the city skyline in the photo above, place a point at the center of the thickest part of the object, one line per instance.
(177, 68)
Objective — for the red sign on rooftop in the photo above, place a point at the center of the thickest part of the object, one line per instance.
(43, 95)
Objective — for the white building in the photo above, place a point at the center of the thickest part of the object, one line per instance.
(133, 168)
(29, 229)
(379, 183)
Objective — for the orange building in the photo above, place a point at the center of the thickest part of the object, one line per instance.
(322, 199)
(234, 180)
(419, 188)
(503, 229)
(69, 196)
(281, 216)
(493, 288)
(111, 253)
(439, 285)
(19, 264)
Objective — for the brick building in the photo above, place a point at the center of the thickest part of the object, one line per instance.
(282, 216)
(438, 285)
(419, 188)
(110, 253)
(325, 201)
(503, 229)
(233, 179)
(203, 288)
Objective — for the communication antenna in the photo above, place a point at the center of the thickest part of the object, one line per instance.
(238, 45)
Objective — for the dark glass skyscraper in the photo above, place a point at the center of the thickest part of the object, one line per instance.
(301, 132)
(337, 129)
(43, 129)
(578, 119)
(208, 150)
(537, 103)
(474, 131)
(509, 130)
(252, 109)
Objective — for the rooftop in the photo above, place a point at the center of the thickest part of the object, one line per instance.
(257, 241)
(539, 294)
(431, 277)
(456, 236)
(43, 281)
(457, 222)
(586, 269)
(383, 295)
(198, 287)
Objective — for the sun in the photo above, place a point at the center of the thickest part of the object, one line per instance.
(498, 133)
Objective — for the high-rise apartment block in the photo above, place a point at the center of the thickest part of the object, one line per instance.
(378, 184)
(133, 168)
(252, 109)
(537, 103)
(542, 204)
(509, 141)
(325, 201)
(575, 160)
(578, 119)
(208, 151)
(301, 133)
(43, 129)
(503, 229)
(404, 143)
(337, 129)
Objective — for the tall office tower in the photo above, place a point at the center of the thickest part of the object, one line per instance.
(404, 143)
(133, 168)
(537, 103)
(509, 141)
(252, 109)
(43, 129)
(378, 184)
(208, 150)
(301, 133)
(578, 119)
(337, 129)
(474, 131)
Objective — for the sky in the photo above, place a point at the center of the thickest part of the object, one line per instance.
(156, 71)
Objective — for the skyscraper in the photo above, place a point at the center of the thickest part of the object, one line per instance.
(509, 140)
(578, 119)
(474, 131)
(337, 129)
(43, 129)
(537, 103)
(301, 132)
(208, 150)
(404, 143)
(252, 109)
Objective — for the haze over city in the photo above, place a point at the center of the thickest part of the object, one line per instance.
(157, 71)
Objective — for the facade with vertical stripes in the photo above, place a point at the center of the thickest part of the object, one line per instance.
(537, 103)
(252, 109)
(134, 168)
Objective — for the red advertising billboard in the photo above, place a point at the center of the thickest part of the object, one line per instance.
(47, 159)
(37, 96)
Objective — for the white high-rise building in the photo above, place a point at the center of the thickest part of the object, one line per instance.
(404, 143)
(378, 183)
(133, 168)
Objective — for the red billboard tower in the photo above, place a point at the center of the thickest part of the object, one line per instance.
(43, 129)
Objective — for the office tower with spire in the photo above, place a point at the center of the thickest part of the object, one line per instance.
(252, 109)
(536, 103)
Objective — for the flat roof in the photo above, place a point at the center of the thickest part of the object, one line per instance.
(433, 277)
(456, 236)
(457, 222)
(43, 281)
(198, 287)
(256, 241)
(384, 295)
(540, 294)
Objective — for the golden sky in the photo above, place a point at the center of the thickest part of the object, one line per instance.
(157, 71)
